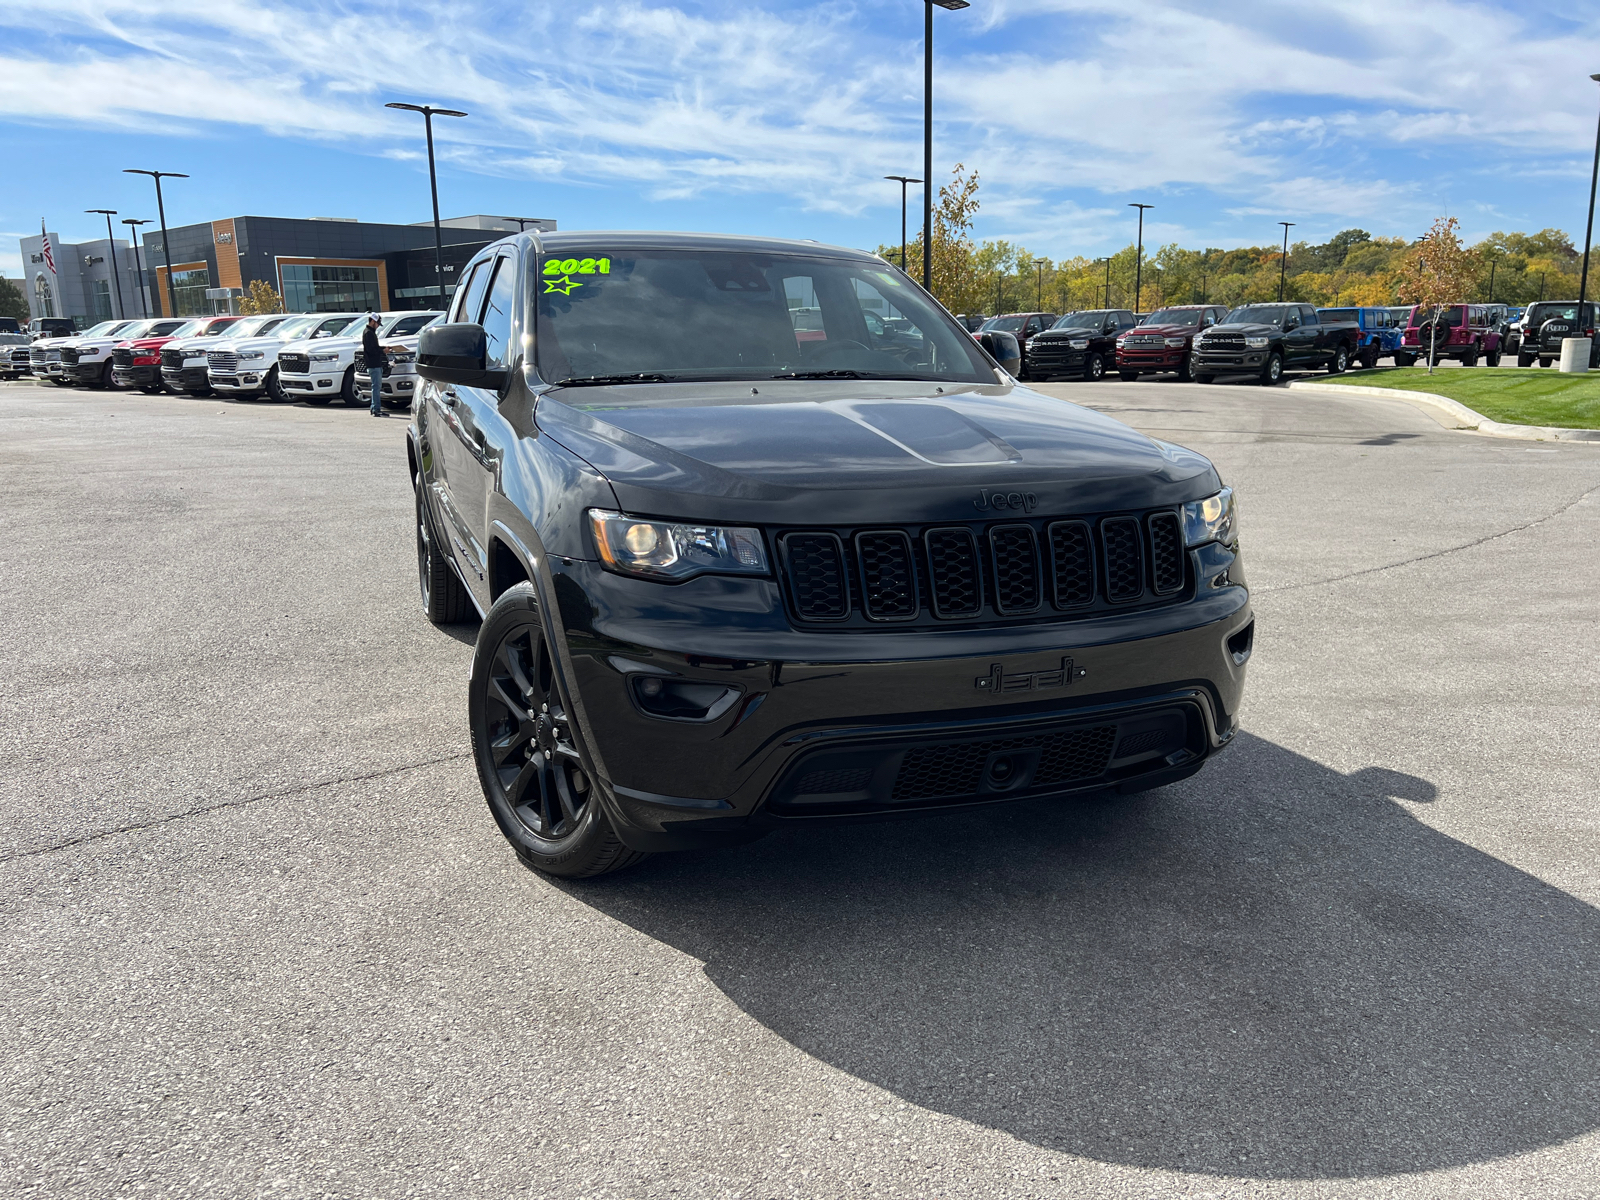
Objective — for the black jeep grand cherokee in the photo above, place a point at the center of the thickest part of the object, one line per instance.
(736, 576)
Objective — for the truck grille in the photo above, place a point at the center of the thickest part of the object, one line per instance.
(173, 359)
(122, 357)
(69, 354)
(1006, 572)
(1043, 350)
(295, 364)
(1144, 339)
(933, 771)
(225, 362)
(1224, 341)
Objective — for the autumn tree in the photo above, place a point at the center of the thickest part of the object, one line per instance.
(1437, 272)
(262, 300)
(13, 303)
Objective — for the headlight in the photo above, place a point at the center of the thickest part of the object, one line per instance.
(1176, 343)
(397, 357)
(334, 357)
(1119, 342)
(88, 351)
(1080, 343)
(665, 550)
(1209, 520)
(252, 354)
(1257, 343)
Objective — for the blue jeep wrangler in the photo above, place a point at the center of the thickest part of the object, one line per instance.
(1381, 331)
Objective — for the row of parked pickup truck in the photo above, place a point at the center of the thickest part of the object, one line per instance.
(1203, 342)
(315, 357)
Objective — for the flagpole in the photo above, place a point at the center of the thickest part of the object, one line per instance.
(55, 276)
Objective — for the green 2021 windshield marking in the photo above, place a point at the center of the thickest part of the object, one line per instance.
(577, 266)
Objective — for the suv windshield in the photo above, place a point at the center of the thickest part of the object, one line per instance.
(1082, 320)
(1004, 324)
(1257, 314)
(663, 315)
(1175, 316)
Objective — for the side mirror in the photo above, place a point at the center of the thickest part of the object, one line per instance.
(1290, 323)
(457, 354)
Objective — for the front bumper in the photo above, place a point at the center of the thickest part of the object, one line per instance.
(1151, 360)
(398, 388)
(242, 382)
(1228, 362)
(185, 379)
(302, 385)
(137, 375)
(85, 370)
(830, 726)
(1051, 360)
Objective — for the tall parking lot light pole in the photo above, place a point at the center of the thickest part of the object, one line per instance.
(1038, 299)
(161, 211)
(1588, 231)
(1283, 263)
(428, 113)
(116, 277)
(1107, 261)
(1138, 259)
(138, 267)
(927, 134)
(904, 179)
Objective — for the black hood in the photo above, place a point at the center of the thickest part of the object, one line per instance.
(858, 452)
(1248, 329)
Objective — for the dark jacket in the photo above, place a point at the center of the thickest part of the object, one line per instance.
(372, 353)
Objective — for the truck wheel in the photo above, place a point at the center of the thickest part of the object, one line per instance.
(1094, 368)
(1272, 370)
(1128, 376)
(1369, 357)
(347, 389)
(444, 598)
(1341, 361)
(1185, 374)
(273, 389)
(532, 768)
(105, 378)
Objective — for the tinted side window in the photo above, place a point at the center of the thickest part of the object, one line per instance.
(469, 296)
(1308, 316)
(497, 314)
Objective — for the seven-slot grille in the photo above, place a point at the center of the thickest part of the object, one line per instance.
(223, 361)
(172, 358)
(1013, 570)
(295, 364)
(69, 354)
(122, 356)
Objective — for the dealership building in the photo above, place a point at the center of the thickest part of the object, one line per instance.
(317, 265)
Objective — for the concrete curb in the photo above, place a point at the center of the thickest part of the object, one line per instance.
(1468, 418)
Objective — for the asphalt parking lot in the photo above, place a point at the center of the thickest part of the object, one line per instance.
(263, 940)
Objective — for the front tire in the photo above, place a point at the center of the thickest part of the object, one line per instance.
(1094, 367)
(1272, 370)
(274, 387)
(444, 597)
(534, 774)
(1185, 371)
(347, 389)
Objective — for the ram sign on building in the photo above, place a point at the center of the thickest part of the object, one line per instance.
(316, 265)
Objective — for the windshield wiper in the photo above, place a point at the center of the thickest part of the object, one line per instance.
(839, 374)
(602, 380)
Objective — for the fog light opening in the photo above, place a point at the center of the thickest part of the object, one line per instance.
(1241, 644)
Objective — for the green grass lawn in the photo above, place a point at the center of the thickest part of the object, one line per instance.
(1515, 395)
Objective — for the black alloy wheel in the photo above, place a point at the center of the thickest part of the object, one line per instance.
(1341, 361)
(532, 768)
(1470, 358)
(1492, 359)
(1094, 367)
(444, 598)
(1272, 370)
(106, 381)
(274, 389)
(1369, 357)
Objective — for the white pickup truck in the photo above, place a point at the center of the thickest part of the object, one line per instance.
(87, 357)
(45, 353)
(316, 369)
(248, 367)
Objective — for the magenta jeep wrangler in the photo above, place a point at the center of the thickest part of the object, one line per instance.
(1466, 332)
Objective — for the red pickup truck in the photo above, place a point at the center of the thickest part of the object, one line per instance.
(1164, 341)
(137, 363)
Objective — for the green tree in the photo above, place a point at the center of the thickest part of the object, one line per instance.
(1438, 271)
(13, 303)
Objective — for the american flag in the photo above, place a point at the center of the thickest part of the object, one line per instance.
(49, 258)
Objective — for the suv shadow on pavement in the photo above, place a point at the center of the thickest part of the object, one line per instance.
(1270, 970)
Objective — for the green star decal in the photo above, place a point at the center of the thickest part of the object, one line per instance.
(564, 285)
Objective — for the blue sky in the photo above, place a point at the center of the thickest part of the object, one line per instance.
(782, 118)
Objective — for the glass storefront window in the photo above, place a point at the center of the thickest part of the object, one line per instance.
(190, 287)
(100, 296)
(308, 287)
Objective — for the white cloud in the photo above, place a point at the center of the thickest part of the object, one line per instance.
(1268, 106)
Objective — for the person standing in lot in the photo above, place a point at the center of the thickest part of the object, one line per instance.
(376, 360)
